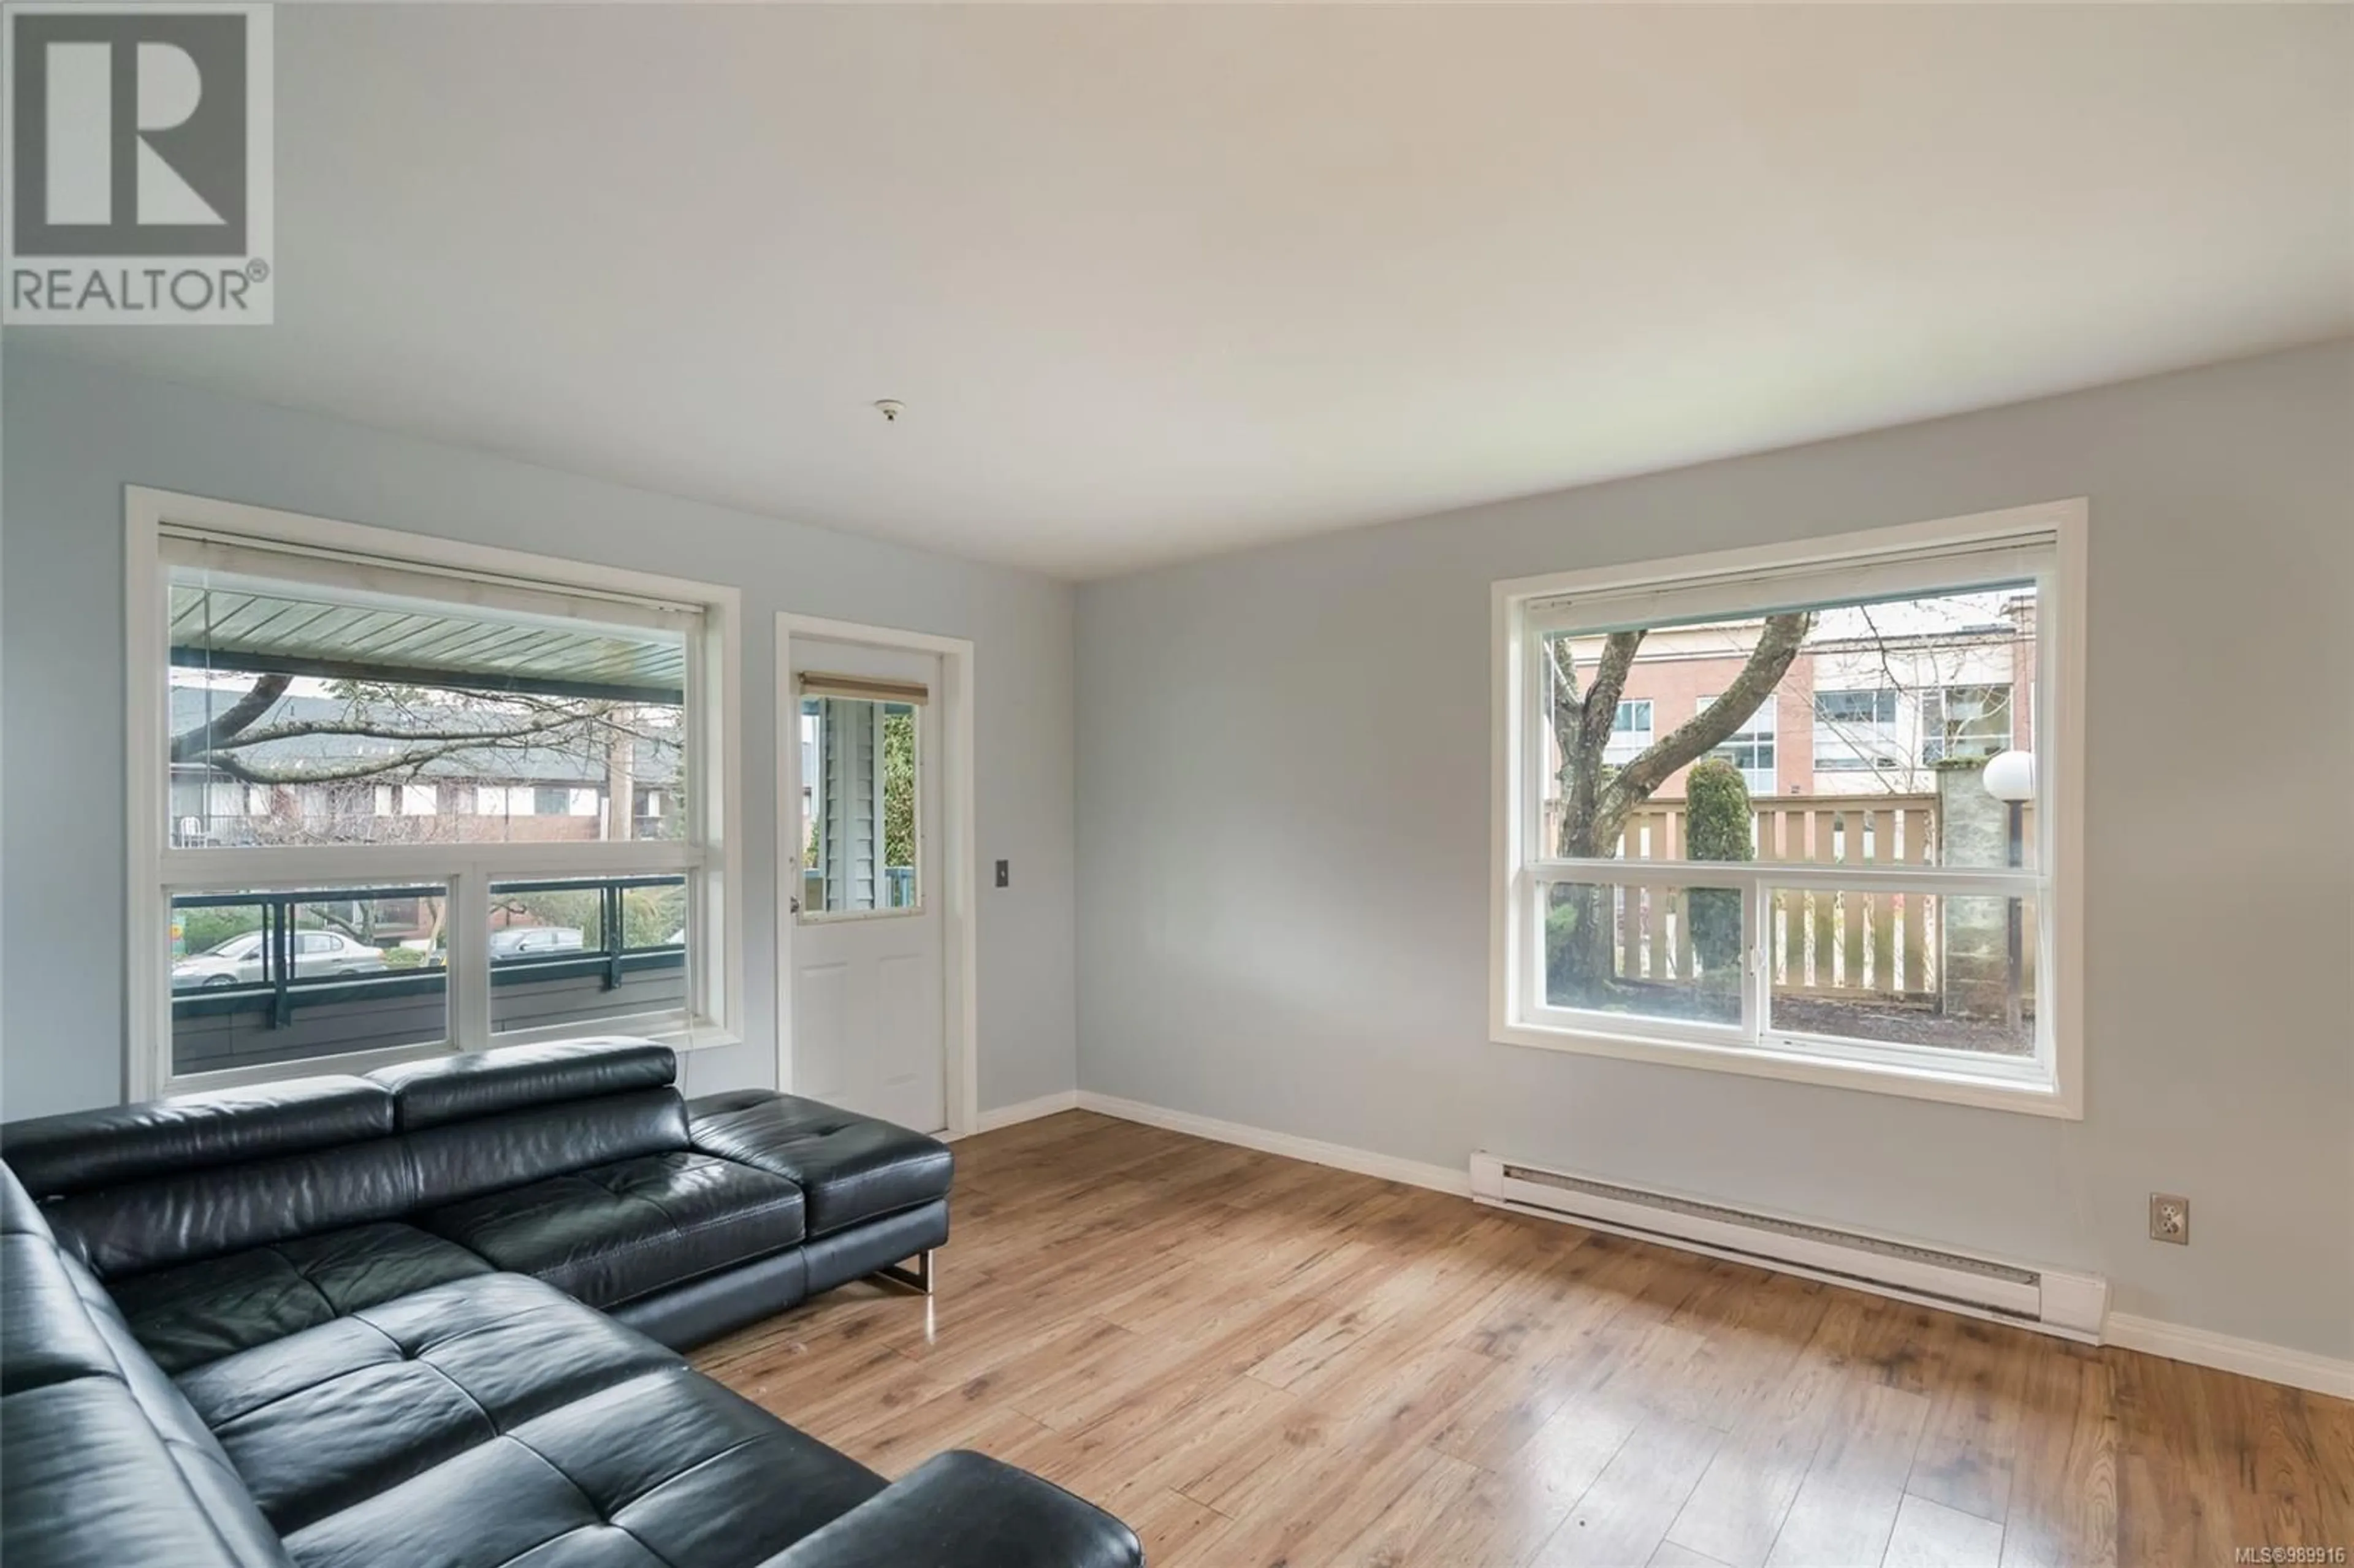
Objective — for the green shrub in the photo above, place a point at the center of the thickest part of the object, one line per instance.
(898, 786)
(649, 915)
(1561, 925)
(1717, 827)
(580, 908)
(202, 930)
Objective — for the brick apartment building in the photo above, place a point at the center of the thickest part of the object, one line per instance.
(1864, 709)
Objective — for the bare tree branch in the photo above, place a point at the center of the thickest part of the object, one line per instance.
(296, 728)
(258, 700)
(542, 724)
(1596, 802)
(1618, 651)
(1777, 646)
(1568, 709)
(1565, 670)
(407, 763)
(1582, 729)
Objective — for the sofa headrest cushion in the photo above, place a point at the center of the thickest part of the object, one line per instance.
(517, 1077)
(84, 1150)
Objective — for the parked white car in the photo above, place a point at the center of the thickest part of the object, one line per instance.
(238, 961)
(533, 941)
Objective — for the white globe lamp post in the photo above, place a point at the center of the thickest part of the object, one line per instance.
(2009, 777)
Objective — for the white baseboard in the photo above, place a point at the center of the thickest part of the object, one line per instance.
(2040, 1297)
(1388, 1167)
(1027, 1110)
(2249, 1358)
(2199, 1347)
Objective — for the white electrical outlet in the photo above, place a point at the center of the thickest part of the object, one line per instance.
(2170, 1218)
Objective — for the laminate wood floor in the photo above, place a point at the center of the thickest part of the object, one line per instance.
(1258, 1361)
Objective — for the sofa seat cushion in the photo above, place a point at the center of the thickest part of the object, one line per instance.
(92, 1482)
(48, 1333)
(612, 1233)
(323, 1420)
(851, 1167)
(105, 1460)
(963, 1510)
(197, 1312)
(665, 1469)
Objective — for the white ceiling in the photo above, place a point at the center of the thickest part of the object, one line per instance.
(1157, 283)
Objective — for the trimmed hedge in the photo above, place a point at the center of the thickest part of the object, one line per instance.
(1717, 827)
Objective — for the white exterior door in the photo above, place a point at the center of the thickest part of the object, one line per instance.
(866, 998)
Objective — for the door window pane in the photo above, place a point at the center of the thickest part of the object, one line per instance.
(861, 784)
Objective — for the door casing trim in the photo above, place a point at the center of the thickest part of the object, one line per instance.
(959, 934)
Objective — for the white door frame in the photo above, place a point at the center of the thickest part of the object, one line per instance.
(960, 945)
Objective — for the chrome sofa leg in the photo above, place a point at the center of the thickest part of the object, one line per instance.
(917, 1279)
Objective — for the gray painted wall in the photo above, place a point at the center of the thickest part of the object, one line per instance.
(1283, 819)
(1283, 806)
(75, 434)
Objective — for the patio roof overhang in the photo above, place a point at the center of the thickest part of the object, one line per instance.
(254, 630)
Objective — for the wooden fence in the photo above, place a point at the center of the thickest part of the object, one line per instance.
(1846, 943)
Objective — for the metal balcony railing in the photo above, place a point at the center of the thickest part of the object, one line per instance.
(389, 985)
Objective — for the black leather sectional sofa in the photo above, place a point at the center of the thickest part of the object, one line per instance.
(432, 1317)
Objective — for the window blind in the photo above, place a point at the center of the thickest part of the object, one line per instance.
(1954, 568)
(228, 562)
(870, 688)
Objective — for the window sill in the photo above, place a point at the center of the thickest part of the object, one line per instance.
(679, 1036)
(682, 1038)
(707, 1037)
(343, 1064)
(2028, 1097)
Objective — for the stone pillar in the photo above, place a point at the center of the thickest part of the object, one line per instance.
(1973, 934)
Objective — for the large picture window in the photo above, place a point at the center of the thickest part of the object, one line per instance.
(1881, 897)
(394, 797)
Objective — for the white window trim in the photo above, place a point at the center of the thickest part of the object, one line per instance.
(2055, 1085)
(715, 686)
